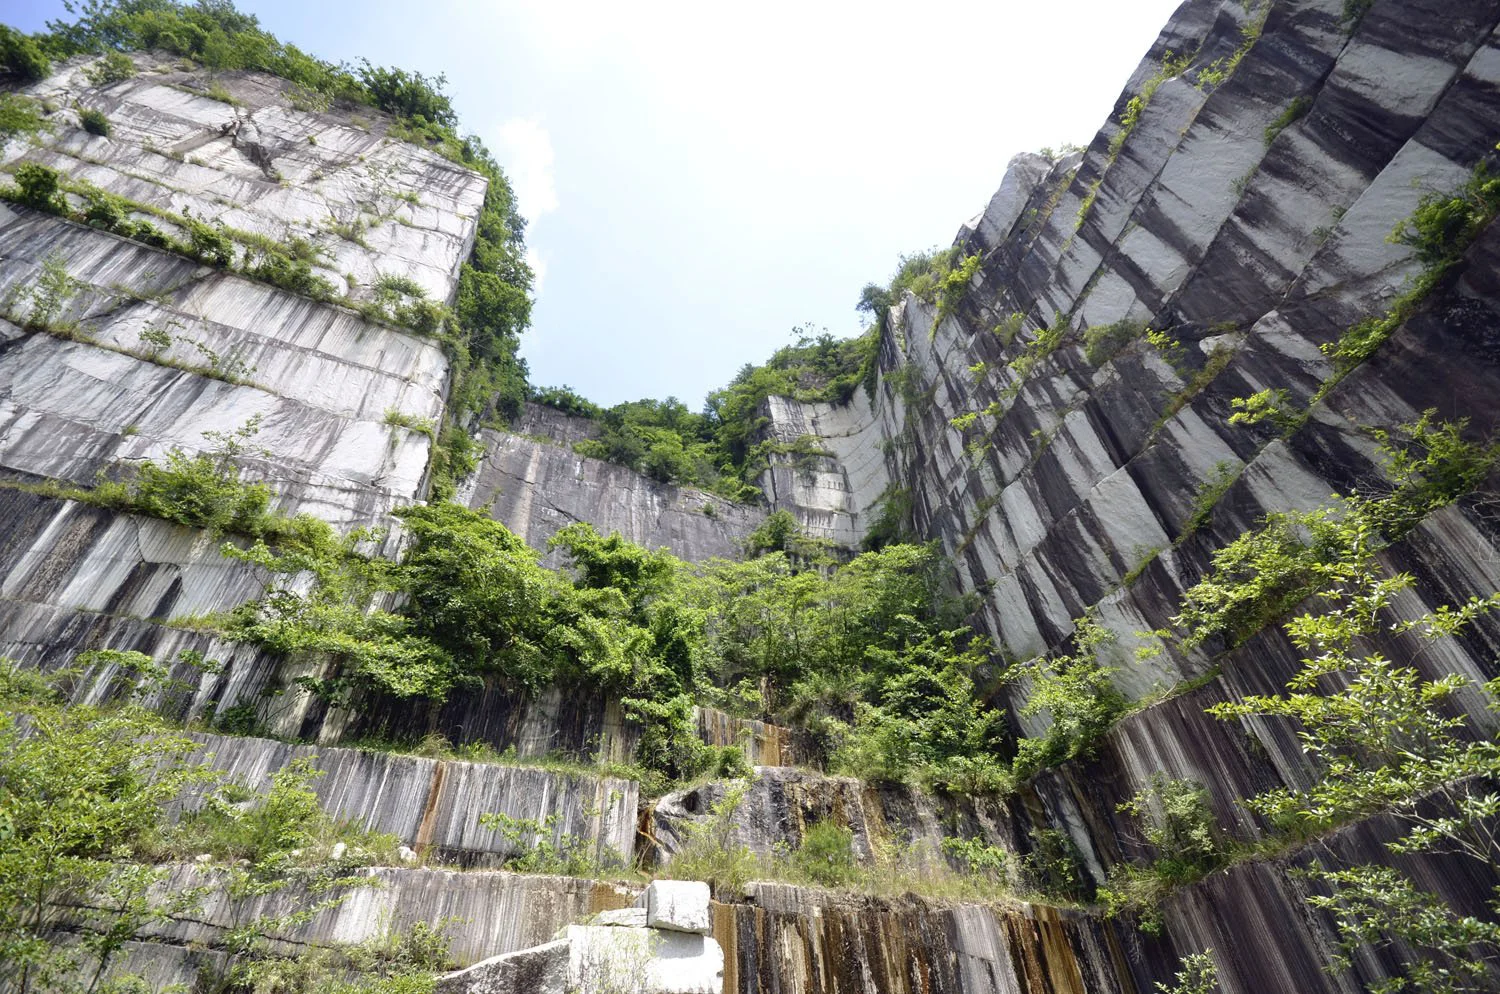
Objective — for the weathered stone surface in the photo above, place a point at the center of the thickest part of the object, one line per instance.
(435, 805)
(371, 205)
(491, 913)
(543, 970)
(1080, 491)
(536, 484)
(763, 743)
(320, 379)
(677, 905)
(780, 805)
(621, 917)
(651, 961)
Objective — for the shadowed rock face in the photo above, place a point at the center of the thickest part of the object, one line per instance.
(1251, 247)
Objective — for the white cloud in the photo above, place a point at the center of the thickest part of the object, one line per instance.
(538, 270)
(524, 149)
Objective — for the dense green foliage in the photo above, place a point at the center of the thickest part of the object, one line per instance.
(1440, 230)
(94, 122)
(964, 869)
(1266, 571)
(870, 656)
(86, 841)
(1074, 690)
(1102, 343)
(22, 56)
(938, 276)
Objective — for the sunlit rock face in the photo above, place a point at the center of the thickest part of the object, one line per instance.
(533, 482)
(1247, 218)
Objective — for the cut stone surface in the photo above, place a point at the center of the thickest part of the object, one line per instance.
(650, 961)
(627, 917)
(678, 905)
(543, 970)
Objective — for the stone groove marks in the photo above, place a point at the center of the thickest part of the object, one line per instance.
(372, 205)
(792, 940)
(781, 803)
(321, 378)
(71, 555)
(493, 912)
(536, 487)
(436, 804)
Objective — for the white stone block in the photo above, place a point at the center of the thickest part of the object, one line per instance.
(542, 970)
(609, 958)
(626, 917)
(678, 905)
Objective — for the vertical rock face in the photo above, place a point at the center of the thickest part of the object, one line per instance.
(435, 806)
(1241, 206)
(533, 482)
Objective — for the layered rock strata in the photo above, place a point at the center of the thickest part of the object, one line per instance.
(1243, 214)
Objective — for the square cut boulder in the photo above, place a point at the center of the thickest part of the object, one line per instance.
(678, 906)
(604, 958)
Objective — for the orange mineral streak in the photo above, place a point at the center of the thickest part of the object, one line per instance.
(430, 808)
(726, 934)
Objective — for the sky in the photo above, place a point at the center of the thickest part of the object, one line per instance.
(701, 179)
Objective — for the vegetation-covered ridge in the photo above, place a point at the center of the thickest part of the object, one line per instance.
(92, 860)
(493, 302)
(723, 448)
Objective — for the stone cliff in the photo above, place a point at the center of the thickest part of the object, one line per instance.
(1064, 427)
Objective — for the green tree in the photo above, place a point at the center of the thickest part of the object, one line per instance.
(1388, 738)
(82, 795)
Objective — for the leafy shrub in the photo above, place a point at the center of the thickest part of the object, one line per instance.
(1077, 694)
(1444, 225)
(537, 847)
(290, 274)
(709, 852)
(1102, 343)
(423, 426)
(149, 234)
(94, 122)
(1209, 492)
(408, 94)
(22, 56)
(104, 210)
(567, 400)
(1273, 404)
(20, 115)
(208, 242)
(1199, 975)
(111, 68)
(1054, 867)
(1179, 825)
(954, 286)
(1294, 112)
(891, 524)
(978, 858)
(48, 296)
(197, 490)
(39, 187)
(826, 855)
(1171, 67)
(1265, 572)
(202, 490)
